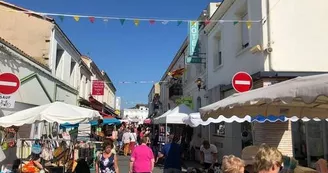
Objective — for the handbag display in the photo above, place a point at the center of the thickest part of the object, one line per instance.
(47, 153)
(23, 151)
(36, 148)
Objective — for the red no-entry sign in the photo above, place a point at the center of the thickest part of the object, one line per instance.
(242, 82)
(9, 83)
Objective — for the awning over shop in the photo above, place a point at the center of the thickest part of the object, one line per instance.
(175, 116)
(107, 120)
(301, 97)
(194, 119)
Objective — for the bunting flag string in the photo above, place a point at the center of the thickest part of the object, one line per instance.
(137, 82)
(137, 21)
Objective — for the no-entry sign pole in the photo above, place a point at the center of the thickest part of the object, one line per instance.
(242, 82)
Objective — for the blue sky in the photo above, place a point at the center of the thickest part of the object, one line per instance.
(126, 53)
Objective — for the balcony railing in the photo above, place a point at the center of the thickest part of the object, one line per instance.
(175, 91)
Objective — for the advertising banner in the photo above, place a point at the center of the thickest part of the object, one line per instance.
(193, 41)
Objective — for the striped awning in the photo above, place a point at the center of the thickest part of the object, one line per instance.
(302, 97)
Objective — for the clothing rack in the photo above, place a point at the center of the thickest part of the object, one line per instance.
(22, 140)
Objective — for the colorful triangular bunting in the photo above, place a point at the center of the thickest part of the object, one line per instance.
(106, 20)
(136, 22)
(92, 19)
(165, 22)
(235, 22)
(207, 22)
(179, 22)
(76, 18)
(249, 24)
(61, 18)
(152, 21)
(122, 21)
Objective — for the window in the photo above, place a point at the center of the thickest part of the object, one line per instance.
(244, 32)
(59, 54)
(217, 60)
(199, 103)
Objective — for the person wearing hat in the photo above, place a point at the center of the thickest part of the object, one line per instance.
(266, 159)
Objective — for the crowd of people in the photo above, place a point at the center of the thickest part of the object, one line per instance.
(137, 143)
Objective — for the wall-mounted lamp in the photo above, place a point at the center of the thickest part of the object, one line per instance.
(200, 85)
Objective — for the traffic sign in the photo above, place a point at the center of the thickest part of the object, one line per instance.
(9, 83)
(242, 82)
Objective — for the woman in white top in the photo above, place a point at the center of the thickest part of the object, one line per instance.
(133, 140)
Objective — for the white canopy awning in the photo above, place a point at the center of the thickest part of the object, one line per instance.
(194, 120)
(303, 97)
(175, 116)
(53, 112)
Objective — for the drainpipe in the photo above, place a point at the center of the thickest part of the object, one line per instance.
(269, 49)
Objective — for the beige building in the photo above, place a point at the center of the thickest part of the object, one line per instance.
(43, 40)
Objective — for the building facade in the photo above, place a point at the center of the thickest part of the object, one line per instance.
(43, 40)
(268, 50)
(103, 103)
(137, 114)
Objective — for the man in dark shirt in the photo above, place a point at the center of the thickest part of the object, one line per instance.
(172, 153)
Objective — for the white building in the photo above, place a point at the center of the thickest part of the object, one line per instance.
(275, 49)
(137, 114)
(38, 86)
(41, 38)
(103, 103)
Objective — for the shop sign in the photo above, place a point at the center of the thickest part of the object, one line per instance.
(193, 42)
(117, 112)
(98, 87)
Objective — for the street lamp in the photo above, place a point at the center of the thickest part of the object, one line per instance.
(199, 83)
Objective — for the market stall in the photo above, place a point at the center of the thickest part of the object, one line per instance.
(54, 152)
(172, 120)
(302, 98)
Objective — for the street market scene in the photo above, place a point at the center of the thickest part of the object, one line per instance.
(222, 86)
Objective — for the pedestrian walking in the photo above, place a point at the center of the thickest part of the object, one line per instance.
(172, 153)
(126, 142)
(133, 140)
(107, 161)
(142, 158)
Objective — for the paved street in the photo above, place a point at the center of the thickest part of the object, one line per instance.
(123, 162)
